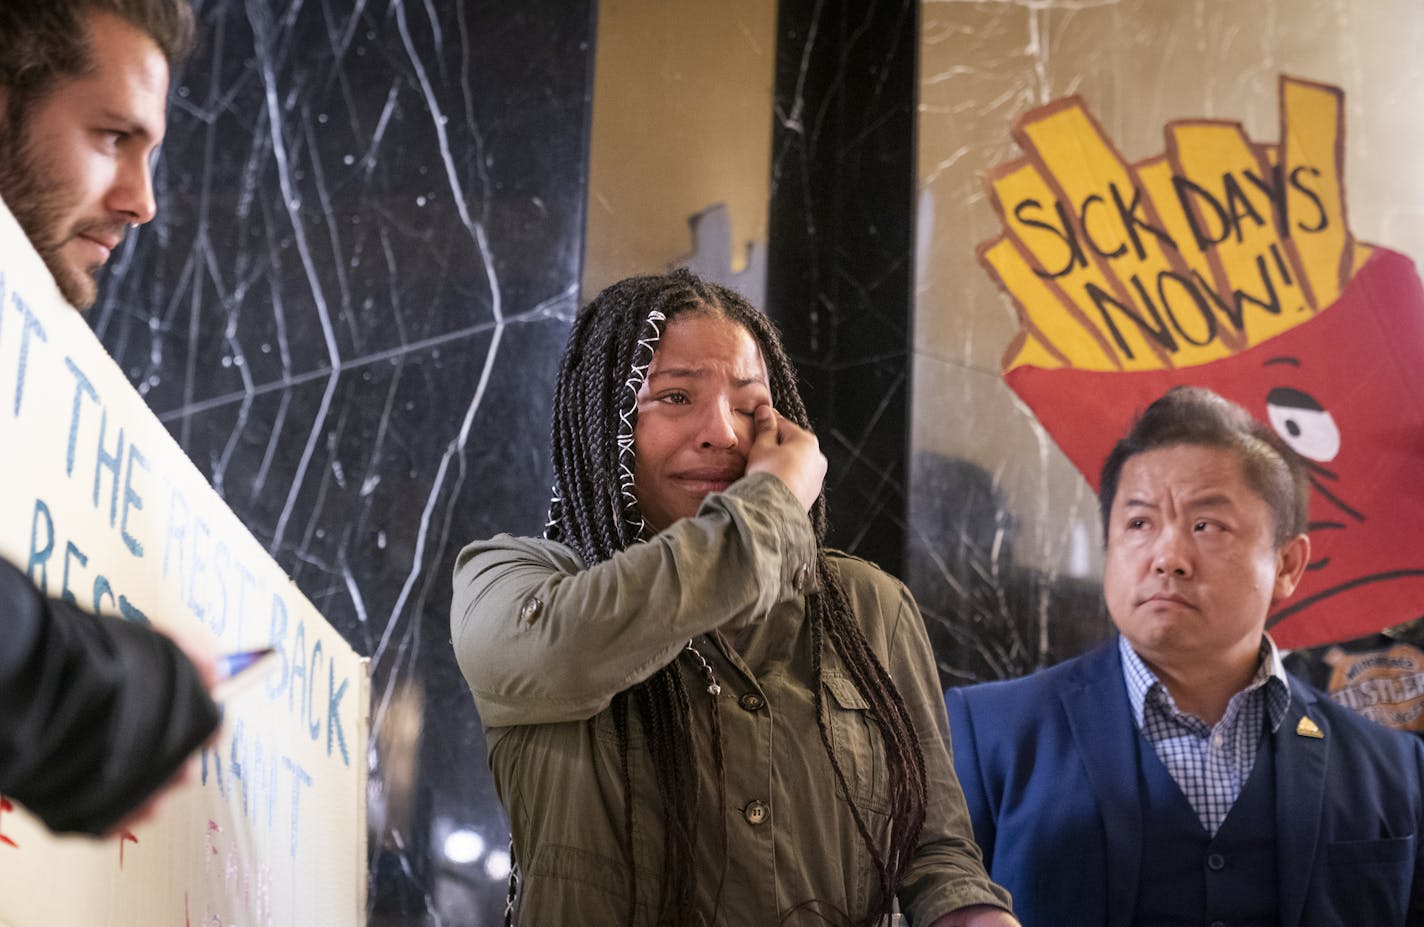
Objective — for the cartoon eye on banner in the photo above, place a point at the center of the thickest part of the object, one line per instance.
(1228, 264)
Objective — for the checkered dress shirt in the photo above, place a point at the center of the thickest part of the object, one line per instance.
(1210, 763)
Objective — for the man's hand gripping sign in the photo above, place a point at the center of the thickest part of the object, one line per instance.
(1229, 264)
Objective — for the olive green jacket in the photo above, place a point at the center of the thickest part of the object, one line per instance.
(546, 643)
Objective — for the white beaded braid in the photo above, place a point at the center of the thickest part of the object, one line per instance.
(637, 376)
(555, 510)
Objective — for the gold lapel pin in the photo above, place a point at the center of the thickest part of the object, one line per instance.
(1308, 728)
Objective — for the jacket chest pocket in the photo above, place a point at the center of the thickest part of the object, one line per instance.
(1369, 880)
(856, 742)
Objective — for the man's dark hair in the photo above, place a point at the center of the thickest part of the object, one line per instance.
(45, 41)
(1195, 416)
(595, 512)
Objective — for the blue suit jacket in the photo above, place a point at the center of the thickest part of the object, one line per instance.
(1049, 769)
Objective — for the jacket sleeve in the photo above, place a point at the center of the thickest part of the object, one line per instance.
(541, 638)
(95, 712)
(1415, 918)
(948, 871)
(966, 766)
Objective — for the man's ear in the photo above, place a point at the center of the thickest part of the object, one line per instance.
(1291, 559)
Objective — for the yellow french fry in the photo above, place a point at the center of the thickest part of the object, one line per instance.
(1155, 176)
(1313, 154)
(1058, 335)
(1122, 234)
(1210, 248)
(1037, 220)
(1226, 194)
(1028, 351)
(1359, 254)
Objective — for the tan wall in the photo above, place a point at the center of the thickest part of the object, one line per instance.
(1138, 64)
(682, 116)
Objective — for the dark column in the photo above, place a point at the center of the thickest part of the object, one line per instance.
(840, 261)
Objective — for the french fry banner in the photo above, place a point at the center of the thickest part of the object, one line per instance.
(1228, 262)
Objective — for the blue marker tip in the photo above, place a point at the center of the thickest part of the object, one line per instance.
(230, 664)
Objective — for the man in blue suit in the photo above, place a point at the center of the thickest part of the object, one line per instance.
(1177, 774)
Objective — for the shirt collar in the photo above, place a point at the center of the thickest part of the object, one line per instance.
(1141, 681)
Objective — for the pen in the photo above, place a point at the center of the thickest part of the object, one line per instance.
(230, 664)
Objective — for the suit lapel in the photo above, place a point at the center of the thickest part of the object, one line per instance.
(1100, 719)
(1301, 761)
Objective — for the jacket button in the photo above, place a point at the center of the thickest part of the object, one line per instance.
(751, 702)
(1216, 862)
(756, 812)
(802, 577)
(531, 609)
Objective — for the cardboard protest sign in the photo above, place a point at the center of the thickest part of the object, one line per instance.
(1228, 263)
(100, 506)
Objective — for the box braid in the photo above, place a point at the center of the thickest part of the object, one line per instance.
(593, 510)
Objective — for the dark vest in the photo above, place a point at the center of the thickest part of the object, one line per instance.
(1191, 878)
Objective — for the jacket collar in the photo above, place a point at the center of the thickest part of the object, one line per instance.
(1301, 761)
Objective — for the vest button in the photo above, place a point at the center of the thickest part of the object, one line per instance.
(751, 702)
(531, 609)
(756, 812)
(1216, 862)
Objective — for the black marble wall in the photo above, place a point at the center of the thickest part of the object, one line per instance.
(989, 614)
(841, 284)
(839, 264)
(349, 313)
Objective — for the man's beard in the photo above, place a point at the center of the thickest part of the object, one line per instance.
(38, 203)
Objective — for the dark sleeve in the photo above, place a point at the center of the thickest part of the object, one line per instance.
(95, 712)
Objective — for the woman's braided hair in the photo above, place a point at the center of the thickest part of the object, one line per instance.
(594, 511)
